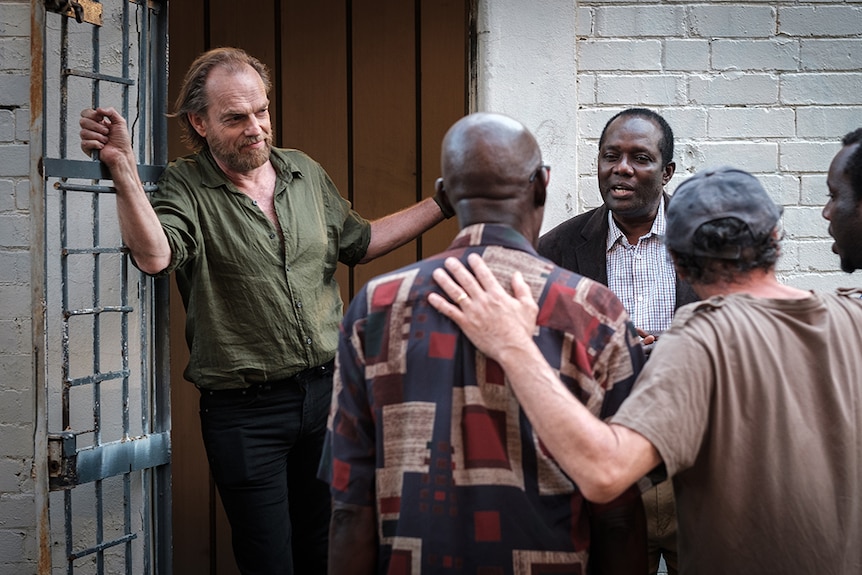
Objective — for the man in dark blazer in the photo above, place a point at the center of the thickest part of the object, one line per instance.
(620, 245)
(579, 245)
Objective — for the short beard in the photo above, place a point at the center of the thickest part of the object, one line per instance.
(243, 161)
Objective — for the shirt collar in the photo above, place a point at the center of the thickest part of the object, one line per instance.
(213, 177)
(615, 234)
(492, 234)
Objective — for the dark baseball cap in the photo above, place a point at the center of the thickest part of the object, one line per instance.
(715, 194)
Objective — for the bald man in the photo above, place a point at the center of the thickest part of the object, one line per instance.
(432, 463)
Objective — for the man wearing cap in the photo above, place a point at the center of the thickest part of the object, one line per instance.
(844, 207)
(764, 438)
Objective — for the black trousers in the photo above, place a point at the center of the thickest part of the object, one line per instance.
(264, 445)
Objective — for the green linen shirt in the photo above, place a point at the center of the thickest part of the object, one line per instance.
(259, 307)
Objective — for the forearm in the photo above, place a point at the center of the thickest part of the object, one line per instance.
(352, 540)
(104, 130)
(603, 460)
(140, 227)
(395, 230)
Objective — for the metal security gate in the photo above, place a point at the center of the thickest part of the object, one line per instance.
(103, 431)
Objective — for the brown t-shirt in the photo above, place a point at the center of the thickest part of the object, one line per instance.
(755, 406)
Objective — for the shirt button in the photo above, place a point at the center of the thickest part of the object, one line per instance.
(308, 340)
(271, 236)
(299, 304)
(254, 202)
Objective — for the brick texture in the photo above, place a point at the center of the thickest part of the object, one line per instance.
(770, 86)
(17, 509)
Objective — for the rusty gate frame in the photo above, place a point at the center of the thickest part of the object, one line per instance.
(58, 464)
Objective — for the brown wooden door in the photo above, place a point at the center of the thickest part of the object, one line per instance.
(367, 88)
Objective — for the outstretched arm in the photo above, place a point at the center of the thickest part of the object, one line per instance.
(395, 230)
(604, 460)
(105, 131)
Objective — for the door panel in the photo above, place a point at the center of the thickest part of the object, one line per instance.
(193, 516)
(443, 92)
(366, 88)
(249, 25)
(312, 93)
(384, 118)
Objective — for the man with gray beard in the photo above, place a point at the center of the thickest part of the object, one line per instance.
(254, 234)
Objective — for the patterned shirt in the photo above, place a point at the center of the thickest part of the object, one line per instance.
(261, 306)
(642, 275)
(427, 430)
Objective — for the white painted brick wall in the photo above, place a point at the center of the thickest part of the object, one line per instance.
(802, 156)
(759, 122)
(7, 126)
(14, 53)
(14, 89)
(823, 122)
(17, 509)
(821, 88)
(652, 90)
(779, 54)
(686, 55)
(813, 190)
(783, 189)
(627, 55)
(831, 54)
(834, 19)
(15, 20)
(770, 86)
(640, 21)
(731, 20)
(733, 89)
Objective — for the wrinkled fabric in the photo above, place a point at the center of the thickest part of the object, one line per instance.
(261, 306)
(428, 431)
(755, 406)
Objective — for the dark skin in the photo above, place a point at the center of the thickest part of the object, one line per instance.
(632, 175)
(353, 539)
(493, 173)
(844, 212)
(487, 163)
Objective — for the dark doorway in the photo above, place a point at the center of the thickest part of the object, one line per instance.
(367, 89)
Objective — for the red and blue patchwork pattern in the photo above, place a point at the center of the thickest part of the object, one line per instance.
(426, 429)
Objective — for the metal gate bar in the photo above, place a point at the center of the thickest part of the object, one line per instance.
(138, 458)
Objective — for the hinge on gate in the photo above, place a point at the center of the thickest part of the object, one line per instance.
(62, 460)
(81, 10)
